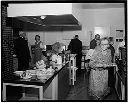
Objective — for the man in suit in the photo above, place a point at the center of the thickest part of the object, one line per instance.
(22, 52)
(111, 42)
(75, 47)
(111, 81)
(93, 43)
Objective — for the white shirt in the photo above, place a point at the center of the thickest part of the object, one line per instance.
(57, 59)
(121, 44)
(42, 46)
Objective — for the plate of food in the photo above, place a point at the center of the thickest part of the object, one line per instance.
(18, 73)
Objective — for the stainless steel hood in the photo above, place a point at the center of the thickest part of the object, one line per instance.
(49, 23)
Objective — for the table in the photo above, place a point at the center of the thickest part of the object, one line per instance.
(41, 86)
(52, 82)
(22, 85)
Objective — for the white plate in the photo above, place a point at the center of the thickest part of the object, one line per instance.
(19, 72)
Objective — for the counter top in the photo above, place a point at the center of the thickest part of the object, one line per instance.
(18, 80)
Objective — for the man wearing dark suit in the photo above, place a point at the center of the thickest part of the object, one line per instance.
(22, 52)
(75, 47)
(111, 42)
(111, 80)
(93, 43)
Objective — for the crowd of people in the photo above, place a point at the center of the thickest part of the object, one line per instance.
(102, 54)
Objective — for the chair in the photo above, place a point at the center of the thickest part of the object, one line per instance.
(84, 52)
(72, 69)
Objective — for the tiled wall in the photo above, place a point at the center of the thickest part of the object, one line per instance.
(7, 47)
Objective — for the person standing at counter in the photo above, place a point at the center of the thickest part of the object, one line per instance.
(56, 58)
(121, 44)
(111, 42)
(39, 47)
(93, 43)
(111, 81)
(22, 52)
(75, 47)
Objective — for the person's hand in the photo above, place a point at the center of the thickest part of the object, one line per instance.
(14, 55)
(100, 69)
(117, 54)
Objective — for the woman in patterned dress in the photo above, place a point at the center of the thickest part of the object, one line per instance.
(98, 81)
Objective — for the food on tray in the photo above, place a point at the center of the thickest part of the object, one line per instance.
(40, 64)
(18, 73)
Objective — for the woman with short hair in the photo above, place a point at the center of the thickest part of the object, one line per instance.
(39, 46)
(98, 81)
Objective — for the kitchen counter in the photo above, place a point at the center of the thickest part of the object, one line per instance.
(57, 83)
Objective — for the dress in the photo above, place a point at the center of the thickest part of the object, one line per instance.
(38, 52)
(98, 81)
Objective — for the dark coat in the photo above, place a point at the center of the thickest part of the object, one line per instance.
(112, 51)
(75, 46)
(22, 49)
(93, 44)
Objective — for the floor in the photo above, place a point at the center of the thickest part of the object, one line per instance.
(78, 91)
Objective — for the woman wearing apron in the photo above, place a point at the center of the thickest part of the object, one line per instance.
(39, 46)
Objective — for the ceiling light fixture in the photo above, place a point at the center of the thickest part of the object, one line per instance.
(43, 16)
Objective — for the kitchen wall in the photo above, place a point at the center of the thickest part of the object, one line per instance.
(110, 18)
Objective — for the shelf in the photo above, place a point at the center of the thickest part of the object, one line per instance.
(30, 97)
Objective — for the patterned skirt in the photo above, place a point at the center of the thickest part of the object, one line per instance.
(98, 83)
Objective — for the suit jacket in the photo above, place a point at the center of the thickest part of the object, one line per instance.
(75, 46)
(112, 51)
(93, 44)
(22, 49)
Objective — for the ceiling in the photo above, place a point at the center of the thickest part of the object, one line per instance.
(49, 23)
(51, 20)
(57, 22)
(97, 5)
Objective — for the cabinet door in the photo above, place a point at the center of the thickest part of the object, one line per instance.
(118, 86)
(63, 83)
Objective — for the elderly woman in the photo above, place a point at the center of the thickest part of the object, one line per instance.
(98, 81)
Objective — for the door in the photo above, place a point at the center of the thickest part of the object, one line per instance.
(102, 31)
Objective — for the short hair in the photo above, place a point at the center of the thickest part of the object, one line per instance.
(76, 36)
(97, 35)
(37, 36)
(110, 39)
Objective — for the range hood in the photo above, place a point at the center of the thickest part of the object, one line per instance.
(58, 16)
(49, 23)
